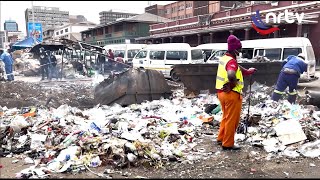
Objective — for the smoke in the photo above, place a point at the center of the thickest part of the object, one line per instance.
(97, 78)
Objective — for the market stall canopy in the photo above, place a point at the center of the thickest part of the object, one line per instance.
(26, 43)
(46, 46)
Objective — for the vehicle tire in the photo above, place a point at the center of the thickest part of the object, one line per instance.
(174, 76)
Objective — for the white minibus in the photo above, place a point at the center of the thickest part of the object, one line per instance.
(163, 56)
(210, 48)
(127, 51)
(276, 49)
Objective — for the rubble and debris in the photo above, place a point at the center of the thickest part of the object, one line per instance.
(67, 138)
(18, 94)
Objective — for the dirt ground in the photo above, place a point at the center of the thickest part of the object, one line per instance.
(30, 91)
(224, 164)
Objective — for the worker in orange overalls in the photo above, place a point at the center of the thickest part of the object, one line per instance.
(229, 85)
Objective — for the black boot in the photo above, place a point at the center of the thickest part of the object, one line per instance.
(276, 96)
(234, 147)
(292, 98)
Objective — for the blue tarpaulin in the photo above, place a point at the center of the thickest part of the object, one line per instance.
(26, 43)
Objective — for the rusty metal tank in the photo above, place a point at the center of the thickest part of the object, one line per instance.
(197, 77)
(133, 86)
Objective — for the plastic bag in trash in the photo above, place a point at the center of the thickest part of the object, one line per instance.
(20, 122)
(95, 162)
(54, 166)
(311, 149)
(37, 141)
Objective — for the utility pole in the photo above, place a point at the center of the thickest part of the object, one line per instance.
(33, 27)
(0, 27)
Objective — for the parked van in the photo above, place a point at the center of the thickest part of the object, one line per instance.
(162, 56)
(276, 49)
(128, 50)
(210, 48)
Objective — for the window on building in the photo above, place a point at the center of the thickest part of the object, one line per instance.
(118, 28)
(157, 55)
(189, 6)
(66, 30)
(61, 32)
(57, 33)
(188, 15)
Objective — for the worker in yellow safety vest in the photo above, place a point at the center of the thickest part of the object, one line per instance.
(229, 85)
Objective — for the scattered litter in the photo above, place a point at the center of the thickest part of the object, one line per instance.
(153, 133)
(312, 165)
(15, 161)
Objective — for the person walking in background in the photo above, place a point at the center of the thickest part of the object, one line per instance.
(44, 67)
(101, 61)
(289, 76)
(8, 64)
(111, 61)
(120, 58)
(110, 55)
(229, 85)
(54, 70)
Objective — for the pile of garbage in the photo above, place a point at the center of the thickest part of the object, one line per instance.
(257, 59)
(26, 64)
(69, 139)
(18, 94)
(281, 128)
(153, 133)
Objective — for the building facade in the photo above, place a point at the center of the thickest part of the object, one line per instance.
(47, 34)
(155, 9)
(11, 26)
(72, 31)
(121, 31)
(238, 22)
(187, 9)
(3, 40)
(49, 17)
(111, 16)
(173, 11)
(77, 18)
(14, 36)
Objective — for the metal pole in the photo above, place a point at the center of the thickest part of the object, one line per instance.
(33, 28)
(0, 27)
(248, 115)
(62, 64)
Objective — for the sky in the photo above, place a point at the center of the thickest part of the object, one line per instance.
(14, 10)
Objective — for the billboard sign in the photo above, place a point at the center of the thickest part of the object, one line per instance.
(36, 31)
